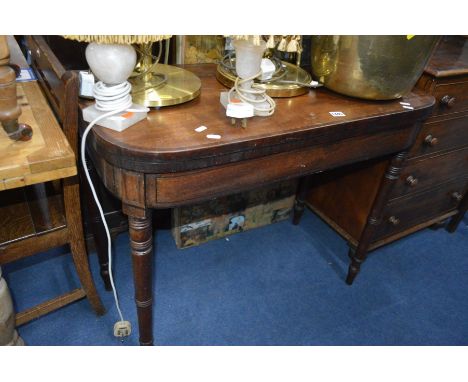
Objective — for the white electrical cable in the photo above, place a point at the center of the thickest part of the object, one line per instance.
(255, 95)
(113, 99)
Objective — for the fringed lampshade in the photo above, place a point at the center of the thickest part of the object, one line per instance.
(118, 39)
(153, 84)
(112, 57)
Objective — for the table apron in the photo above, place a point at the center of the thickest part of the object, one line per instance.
(170, 190)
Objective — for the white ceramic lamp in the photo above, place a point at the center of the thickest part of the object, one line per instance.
(248, 66)
(111, 63)
(248, 59)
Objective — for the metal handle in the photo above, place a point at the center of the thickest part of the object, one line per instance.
(457, 196)
(431, 141)
(411, 181)
(394, 220)
(447, 100)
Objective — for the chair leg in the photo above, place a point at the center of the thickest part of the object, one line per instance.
(71, 198)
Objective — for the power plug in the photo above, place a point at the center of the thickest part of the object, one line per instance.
(122, 328)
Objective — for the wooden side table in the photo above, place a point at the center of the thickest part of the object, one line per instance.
(163, 162)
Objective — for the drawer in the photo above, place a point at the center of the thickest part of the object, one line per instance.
(441, 136)
(422, 173)
(410, 211)
(451, 98)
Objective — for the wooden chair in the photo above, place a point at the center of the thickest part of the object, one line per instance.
(47, 215)
(64, 101)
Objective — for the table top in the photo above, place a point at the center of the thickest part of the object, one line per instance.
(167, 140)
(47, 156)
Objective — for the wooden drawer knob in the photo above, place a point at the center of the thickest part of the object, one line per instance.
(457, 196)
(431, 141)
(411, 181)
(447, 100)
(394, 220)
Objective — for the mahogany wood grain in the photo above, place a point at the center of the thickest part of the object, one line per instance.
(344, 197)
(184, 187)
(166, 142)
(427, 172)
(431, 181)
(374, 218)
(420, 207)
(449, 132)
(162, 162)
(141, 243)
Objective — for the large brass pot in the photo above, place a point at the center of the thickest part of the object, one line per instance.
(371, 67)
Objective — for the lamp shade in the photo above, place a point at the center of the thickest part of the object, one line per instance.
(118, 39)
(248, 57)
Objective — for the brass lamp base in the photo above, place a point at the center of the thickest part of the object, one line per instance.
(276, 89)
(166, 85)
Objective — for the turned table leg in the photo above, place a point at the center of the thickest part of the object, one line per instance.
(374, 219)
(299, 203)
(141, 242)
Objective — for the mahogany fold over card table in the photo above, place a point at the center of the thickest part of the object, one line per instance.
(162, 162)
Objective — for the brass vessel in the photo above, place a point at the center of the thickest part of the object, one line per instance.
(371, 67)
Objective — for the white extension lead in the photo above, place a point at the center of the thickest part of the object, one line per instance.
(110, 100)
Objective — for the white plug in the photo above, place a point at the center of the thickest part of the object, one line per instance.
(268, 69)
(122, 329)
(86, 84)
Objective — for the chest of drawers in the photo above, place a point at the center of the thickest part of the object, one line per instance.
(433, 182)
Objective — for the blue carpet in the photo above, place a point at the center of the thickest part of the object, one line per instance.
(276, 285)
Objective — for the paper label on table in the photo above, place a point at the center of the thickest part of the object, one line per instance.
(337, 114)
(200, 129)
(213, 136)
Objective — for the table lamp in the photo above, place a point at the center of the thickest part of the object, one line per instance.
(112, 60)
(246, 99)
(282, 75)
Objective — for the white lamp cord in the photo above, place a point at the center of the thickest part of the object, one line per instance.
(114, 99)
(255, 95)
